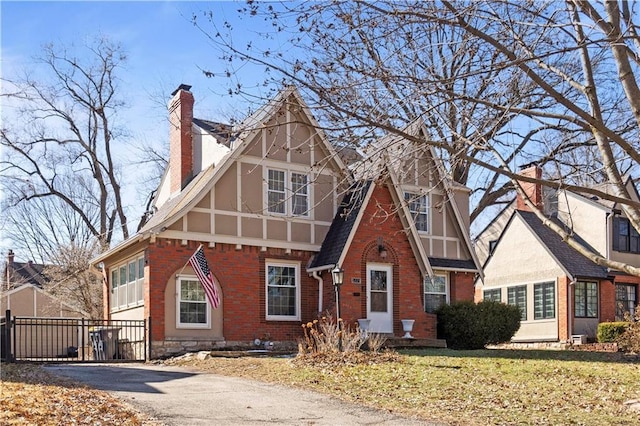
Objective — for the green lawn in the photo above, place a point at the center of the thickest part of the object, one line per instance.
(469, 387)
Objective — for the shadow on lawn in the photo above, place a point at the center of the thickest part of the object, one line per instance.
(532, 354)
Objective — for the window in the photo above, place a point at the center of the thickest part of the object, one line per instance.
(192, 307)
(625, 236)
(544, 301)
(492, 245)
(495, 295)
(418, 207)
(436, 292)
(127, 284)
(586, 299)
(300, 200)
(518, 296)
(625, 300)
(276, 193)
(283, 293)
(293, 200)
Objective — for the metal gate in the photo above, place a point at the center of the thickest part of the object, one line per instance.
(74, 340)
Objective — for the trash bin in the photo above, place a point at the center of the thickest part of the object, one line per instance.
(105, 342)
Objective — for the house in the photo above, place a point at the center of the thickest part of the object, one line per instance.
(562, 294)
(276, 208)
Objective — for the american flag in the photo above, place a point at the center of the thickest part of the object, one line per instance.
(201, 267)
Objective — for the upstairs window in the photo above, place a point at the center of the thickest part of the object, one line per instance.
(418, 207)
(276, 194)
(625, 236)
(300, 200)
(283, 199)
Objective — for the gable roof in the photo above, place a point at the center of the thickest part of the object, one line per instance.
(574, 263)
(26, 273)
(202, 183)
(342, 226)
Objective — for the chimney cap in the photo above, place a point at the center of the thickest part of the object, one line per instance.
(184, 87)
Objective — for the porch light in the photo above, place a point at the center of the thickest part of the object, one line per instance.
(338, 276)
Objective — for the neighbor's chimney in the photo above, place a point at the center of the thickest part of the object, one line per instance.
(180, 140)
(10, 257)
(532, 190)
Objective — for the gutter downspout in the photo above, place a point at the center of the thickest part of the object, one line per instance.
(315, 275)
(570, 287)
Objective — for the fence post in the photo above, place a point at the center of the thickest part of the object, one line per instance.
(147, 355)
(7, 336)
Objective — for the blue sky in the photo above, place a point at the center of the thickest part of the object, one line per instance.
(164, 50)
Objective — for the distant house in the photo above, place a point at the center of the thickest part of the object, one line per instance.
(561, 293)
(276, 208)
(23, 291)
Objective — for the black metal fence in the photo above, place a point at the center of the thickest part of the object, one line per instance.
(73, 340)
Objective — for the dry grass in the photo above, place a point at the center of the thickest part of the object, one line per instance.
(463, 387)
(31, 396)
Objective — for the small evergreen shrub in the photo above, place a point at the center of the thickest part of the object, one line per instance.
(466, 325)
(609, 332)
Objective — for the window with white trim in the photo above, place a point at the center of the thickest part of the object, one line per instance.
(300, 197)
(282, 199)
(283, 291)
(518, 296)
(192, 308)
(127, 284)
(544, 301)
(436, 292)
(419, 208)
(276, 194)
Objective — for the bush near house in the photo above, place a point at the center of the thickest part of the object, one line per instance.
(466, 325)
(629, 341)
(609, 332)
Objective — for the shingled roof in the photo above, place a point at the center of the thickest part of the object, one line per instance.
(18, 273)
(573, 262)
(341, 226)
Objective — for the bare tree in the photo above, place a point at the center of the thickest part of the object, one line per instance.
(60, 174)
(71, 279)
(498, 84)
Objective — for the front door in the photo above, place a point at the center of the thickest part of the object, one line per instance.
(379, 298)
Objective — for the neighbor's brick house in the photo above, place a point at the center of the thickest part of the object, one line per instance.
(276, 208)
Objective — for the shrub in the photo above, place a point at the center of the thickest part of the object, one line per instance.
(610, 331)
(630, 340)
(466, 325)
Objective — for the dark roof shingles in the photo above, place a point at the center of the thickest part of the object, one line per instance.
(341, 226)
(573, 262)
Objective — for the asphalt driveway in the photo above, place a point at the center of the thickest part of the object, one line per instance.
(179, 396)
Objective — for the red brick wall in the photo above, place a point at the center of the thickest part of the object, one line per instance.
(180, 139)
(564, 307)
(241, 275)
(607, 301)
(380, 219)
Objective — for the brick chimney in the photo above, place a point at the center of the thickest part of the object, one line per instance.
(532, 190)
(180, 139)
(10, 257)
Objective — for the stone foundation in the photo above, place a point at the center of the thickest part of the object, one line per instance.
(172, 348)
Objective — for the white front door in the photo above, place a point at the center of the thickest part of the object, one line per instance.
(380, 298)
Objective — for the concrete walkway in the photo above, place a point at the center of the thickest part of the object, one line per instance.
(179, 396)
